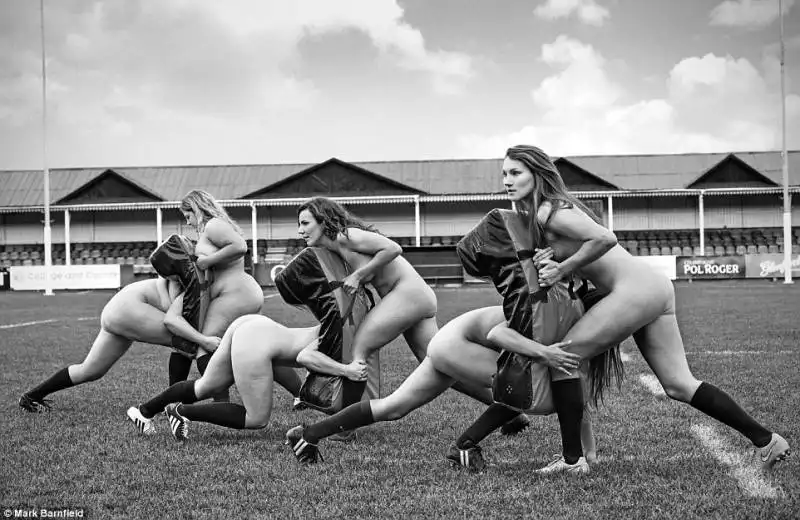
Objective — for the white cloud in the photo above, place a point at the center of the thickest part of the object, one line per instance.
(588, 11)
(747, 13)
(713, 103)
(228, 74)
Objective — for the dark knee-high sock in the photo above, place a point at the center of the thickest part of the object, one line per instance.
(717, 404)
(229, 415)
(182, 392)
(202, 363)
(494, 417)
(58, 381)
(568, 402)
(179, 367)
(350, 418)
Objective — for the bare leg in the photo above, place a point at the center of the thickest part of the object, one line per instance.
(397, 312)
(106, 350)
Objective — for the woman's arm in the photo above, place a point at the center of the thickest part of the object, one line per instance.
(574, 224)
(177, 324)
(552, 356)
(311, 358)
(231, 244)
(382, 250)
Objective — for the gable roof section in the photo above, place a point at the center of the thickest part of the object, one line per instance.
(578, 179)
(435, 177)
(731, 172)
(334, 178)
(108, 187)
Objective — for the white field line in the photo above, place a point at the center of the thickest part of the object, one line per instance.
(748, 476)
(741, 352)
(494, 461)
(268, 296)
(651, 383)
(42, 322)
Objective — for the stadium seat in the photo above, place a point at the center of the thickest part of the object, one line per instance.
(762, 249)
(741, 250)
(773, 249)
(676, 251)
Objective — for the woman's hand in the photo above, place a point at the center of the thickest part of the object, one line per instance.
(541, 255)
(554, 357)
(550, 273)
(203, 263)
(211, 343)
(356, 371)
(352, 283)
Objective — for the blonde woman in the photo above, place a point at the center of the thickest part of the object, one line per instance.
(220, 251)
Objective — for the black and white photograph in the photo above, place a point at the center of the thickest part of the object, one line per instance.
(391, 259)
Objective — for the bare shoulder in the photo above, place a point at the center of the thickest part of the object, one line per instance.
(544, 212)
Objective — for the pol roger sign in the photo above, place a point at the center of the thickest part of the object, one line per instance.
(709, 267)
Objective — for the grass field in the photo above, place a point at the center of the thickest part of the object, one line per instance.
(658, 458)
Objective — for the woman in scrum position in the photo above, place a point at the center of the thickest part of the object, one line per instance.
(220, 251)
(640, 301)
(149, 311)
(407, 304)
(465, 349)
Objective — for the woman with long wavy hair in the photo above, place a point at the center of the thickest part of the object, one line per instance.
(407, 304)
(640, 301)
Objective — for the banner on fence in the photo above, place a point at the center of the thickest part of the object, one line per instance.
(31, 278)
(5, 279)
(770, 266)
(710, 267)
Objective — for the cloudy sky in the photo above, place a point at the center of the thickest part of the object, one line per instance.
(180, 82)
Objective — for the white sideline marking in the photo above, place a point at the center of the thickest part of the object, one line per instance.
(742, 352)
(267, 297)
(650, 382)
(41, 322)
(747, 476)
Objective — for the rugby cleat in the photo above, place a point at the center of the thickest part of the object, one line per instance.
(777, 450)
(33, 405)
(142, 423)
(516, 425)
(304, 451)
(178, 424)
(470, 458)
(559, 465)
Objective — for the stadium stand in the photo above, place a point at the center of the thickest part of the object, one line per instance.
(686, 242)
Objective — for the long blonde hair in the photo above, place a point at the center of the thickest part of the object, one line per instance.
(204, 207)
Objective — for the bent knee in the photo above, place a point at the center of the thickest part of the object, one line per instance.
(256, 421)
(681, 391)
